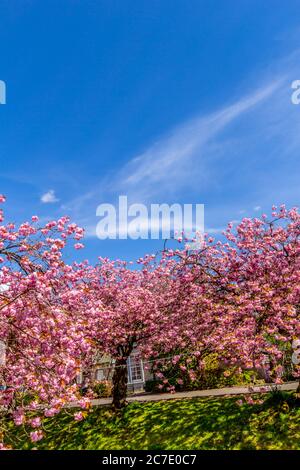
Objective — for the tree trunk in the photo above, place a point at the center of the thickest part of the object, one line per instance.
(298, 389)
(119, 380)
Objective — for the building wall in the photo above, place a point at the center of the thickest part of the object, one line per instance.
(138, 374)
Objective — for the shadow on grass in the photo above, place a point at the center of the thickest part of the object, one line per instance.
(218, 423)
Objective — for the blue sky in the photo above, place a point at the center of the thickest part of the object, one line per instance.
(182, 101)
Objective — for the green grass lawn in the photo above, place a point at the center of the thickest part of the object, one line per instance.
(213, 423)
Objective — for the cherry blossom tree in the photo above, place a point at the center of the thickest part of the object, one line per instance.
(41, 340)
(254, 280)
(144, 308)
(238, 298)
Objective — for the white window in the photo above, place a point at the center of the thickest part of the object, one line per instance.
(79, 378)
(100, 374)
(135, 369)
(2, 353)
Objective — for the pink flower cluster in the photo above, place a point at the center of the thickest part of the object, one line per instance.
(238, 299)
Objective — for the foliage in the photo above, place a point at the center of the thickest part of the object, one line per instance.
(102, 389)
(151, 385)
(211, 375)
(215, 423)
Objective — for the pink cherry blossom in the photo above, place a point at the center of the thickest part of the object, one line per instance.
(78, 416)
(78, 246)
(36, 436)
(35, 422)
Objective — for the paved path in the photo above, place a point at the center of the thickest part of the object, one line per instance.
(214, 392)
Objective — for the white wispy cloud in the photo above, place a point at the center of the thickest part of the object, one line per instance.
(225, 152)
(169, 162)
(49, 197)
(215, 230)
(173, 161)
